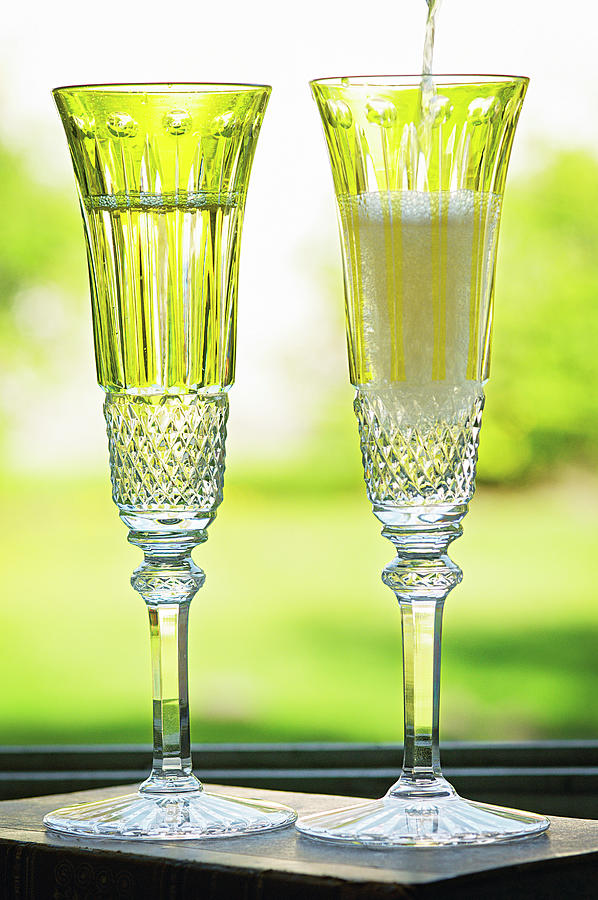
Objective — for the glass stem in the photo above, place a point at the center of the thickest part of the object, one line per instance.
(168, 580)
(421, 576)
(172, 746)
(422, 627)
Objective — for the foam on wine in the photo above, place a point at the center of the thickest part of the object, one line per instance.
(419, 272)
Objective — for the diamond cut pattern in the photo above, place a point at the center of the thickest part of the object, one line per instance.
(166, 587)
(433, 462)
(167, 452)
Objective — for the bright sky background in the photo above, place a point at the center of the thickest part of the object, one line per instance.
(290, 341)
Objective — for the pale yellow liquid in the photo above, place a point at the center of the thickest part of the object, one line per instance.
(418, 281)
(163, 272)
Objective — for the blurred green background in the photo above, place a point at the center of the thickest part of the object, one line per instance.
(293, 636)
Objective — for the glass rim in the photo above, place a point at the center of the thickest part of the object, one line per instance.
(408, 80)
(164, 87)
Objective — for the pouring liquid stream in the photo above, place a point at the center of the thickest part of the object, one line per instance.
(433, 7)
(428, 88)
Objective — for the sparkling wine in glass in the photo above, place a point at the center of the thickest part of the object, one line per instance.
(162, 173)
(419, 168)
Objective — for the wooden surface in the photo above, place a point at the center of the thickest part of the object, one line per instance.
(282, 865)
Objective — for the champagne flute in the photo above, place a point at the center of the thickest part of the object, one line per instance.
(419, 167)
(162, 173)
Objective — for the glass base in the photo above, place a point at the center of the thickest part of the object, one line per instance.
(162, 817)
(400, 822)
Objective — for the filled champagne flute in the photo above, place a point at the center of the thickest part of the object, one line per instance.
(419, 166)
(162, 172)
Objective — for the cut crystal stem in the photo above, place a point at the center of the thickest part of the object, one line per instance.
(168, 580)
(171, 768)
(422, 625)
(421, 576)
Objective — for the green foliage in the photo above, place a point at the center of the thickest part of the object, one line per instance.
(281, 647)
(40, 255)
(541, 408)
(39, 231)
(293, 636)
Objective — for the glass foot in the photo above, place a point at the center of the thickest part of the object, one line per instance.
(399, 822)
(169, 817)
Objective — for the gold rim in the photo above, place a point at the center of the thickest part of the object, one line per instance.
(164, 87)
